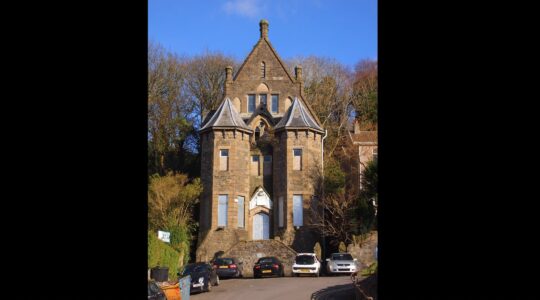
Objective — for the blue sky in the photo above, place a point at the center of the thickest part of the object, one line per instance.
(344, 30)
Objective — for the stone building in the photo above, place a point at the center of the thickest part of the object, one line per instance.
(259, 151)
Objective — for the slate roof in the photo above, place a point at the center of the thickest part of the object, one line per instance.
(364, 137)
(226, 116)
(297, 116)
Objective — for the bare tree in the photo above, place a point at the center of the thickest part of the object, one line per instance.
(205, 82)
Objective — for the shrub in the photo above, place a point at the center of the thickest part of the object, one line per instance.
(162, 255)
(370, 270)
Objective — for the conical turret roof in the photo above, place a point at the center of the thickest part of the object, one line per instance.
(225, 117)
(297, 116)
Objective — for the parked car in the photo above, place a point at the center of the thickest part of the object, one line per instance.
(228, 267)
(203, 276)
(306, 263)
(155, 292)
(268, 266)
(341, 263)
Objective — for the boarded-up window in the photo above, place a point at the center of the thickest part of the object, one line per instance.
(251, 103)
(267, 165)
(240, 211)
(255, 165)
(298, 212)
(275, 103)
(222, 210)
(281, 210)
(297, 159)
(223, 159)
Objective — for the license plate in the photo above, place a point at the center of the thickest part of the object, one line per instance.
(223, 267)
(267, 271)
(304, 270)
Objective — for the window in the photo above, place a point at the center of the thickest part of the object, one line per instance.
(375, 153)
(257, 134)
(222, 210)
(240, 211)
(297, 159)
(267, 165)
(281, 210)
(255, 165)
(251, 103)
(275, 103)
(298, 211)
(223, 159)
(263, 70)
(263, 101)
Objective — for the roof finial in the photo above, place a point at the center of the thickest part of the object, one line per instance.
(263, 27)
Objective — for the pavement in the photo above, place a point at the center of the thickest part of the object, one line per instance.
(321, 288)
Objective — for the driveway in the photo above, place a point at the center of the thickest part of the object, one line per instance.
(277, 288)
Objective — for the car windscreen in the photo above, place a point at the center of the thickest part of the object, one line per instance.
(223, 261)
(305, 260)
(342, 256)
(193, 269)
(266, 260)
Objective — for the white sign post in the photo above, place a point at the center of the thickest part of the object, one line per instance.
(164, 236)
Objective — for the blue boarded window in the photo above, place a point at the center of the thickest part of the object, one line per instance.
(251, 103)
(240, 211)
(298, 212)
(222, 210)
(275, 103)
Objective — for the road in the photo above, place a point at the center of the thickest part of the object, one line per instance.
(279, 288)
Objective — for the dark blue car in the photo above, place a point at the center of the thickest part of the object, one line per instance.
(203, 276)
(228, 267)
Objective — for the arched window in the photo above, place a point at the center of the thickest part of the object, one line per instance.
(263, 70)
(257, 134)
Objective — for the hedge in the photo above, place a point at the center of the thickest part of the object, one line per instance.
(162, 255)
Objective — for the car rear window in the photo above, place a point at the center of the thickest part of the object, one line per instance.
(266, 260)
(341, 256)
(305, 260)
(223, 261)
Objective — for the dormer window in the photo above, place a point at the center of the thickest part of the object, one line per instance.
(263, 70)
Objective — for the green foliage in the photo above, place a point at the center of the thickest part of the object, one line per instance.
(365, 211)
(370, 270)
(334, 178)
(163, 255)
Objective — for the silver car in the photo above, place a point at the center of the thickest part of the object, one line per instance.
(341, 263)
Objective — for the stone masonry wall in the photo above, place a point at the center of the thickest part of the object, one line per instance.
(249, 252)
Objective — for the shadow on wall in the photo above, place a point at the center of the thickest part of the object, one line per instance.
(304, 240)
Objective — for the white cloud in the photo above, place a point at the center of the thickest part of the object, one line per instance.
(248, 8)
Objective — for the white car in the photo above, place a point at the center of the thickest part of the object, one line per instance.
(342, 263)
(306, 263)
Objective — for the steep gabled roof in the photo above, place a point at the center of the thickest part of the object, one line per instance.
(226, 116)
(297, 116)
(257, 45)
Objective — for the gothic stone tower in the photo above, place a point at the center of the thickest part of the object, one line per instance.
(259, 151)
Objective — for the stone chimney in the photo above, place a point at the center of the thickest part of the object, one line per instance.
(228, 79)
(263, 24)
(298, 73)
(228, 73)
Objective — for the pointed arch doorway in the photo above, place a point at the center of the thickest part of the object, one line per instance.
(261, 227)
